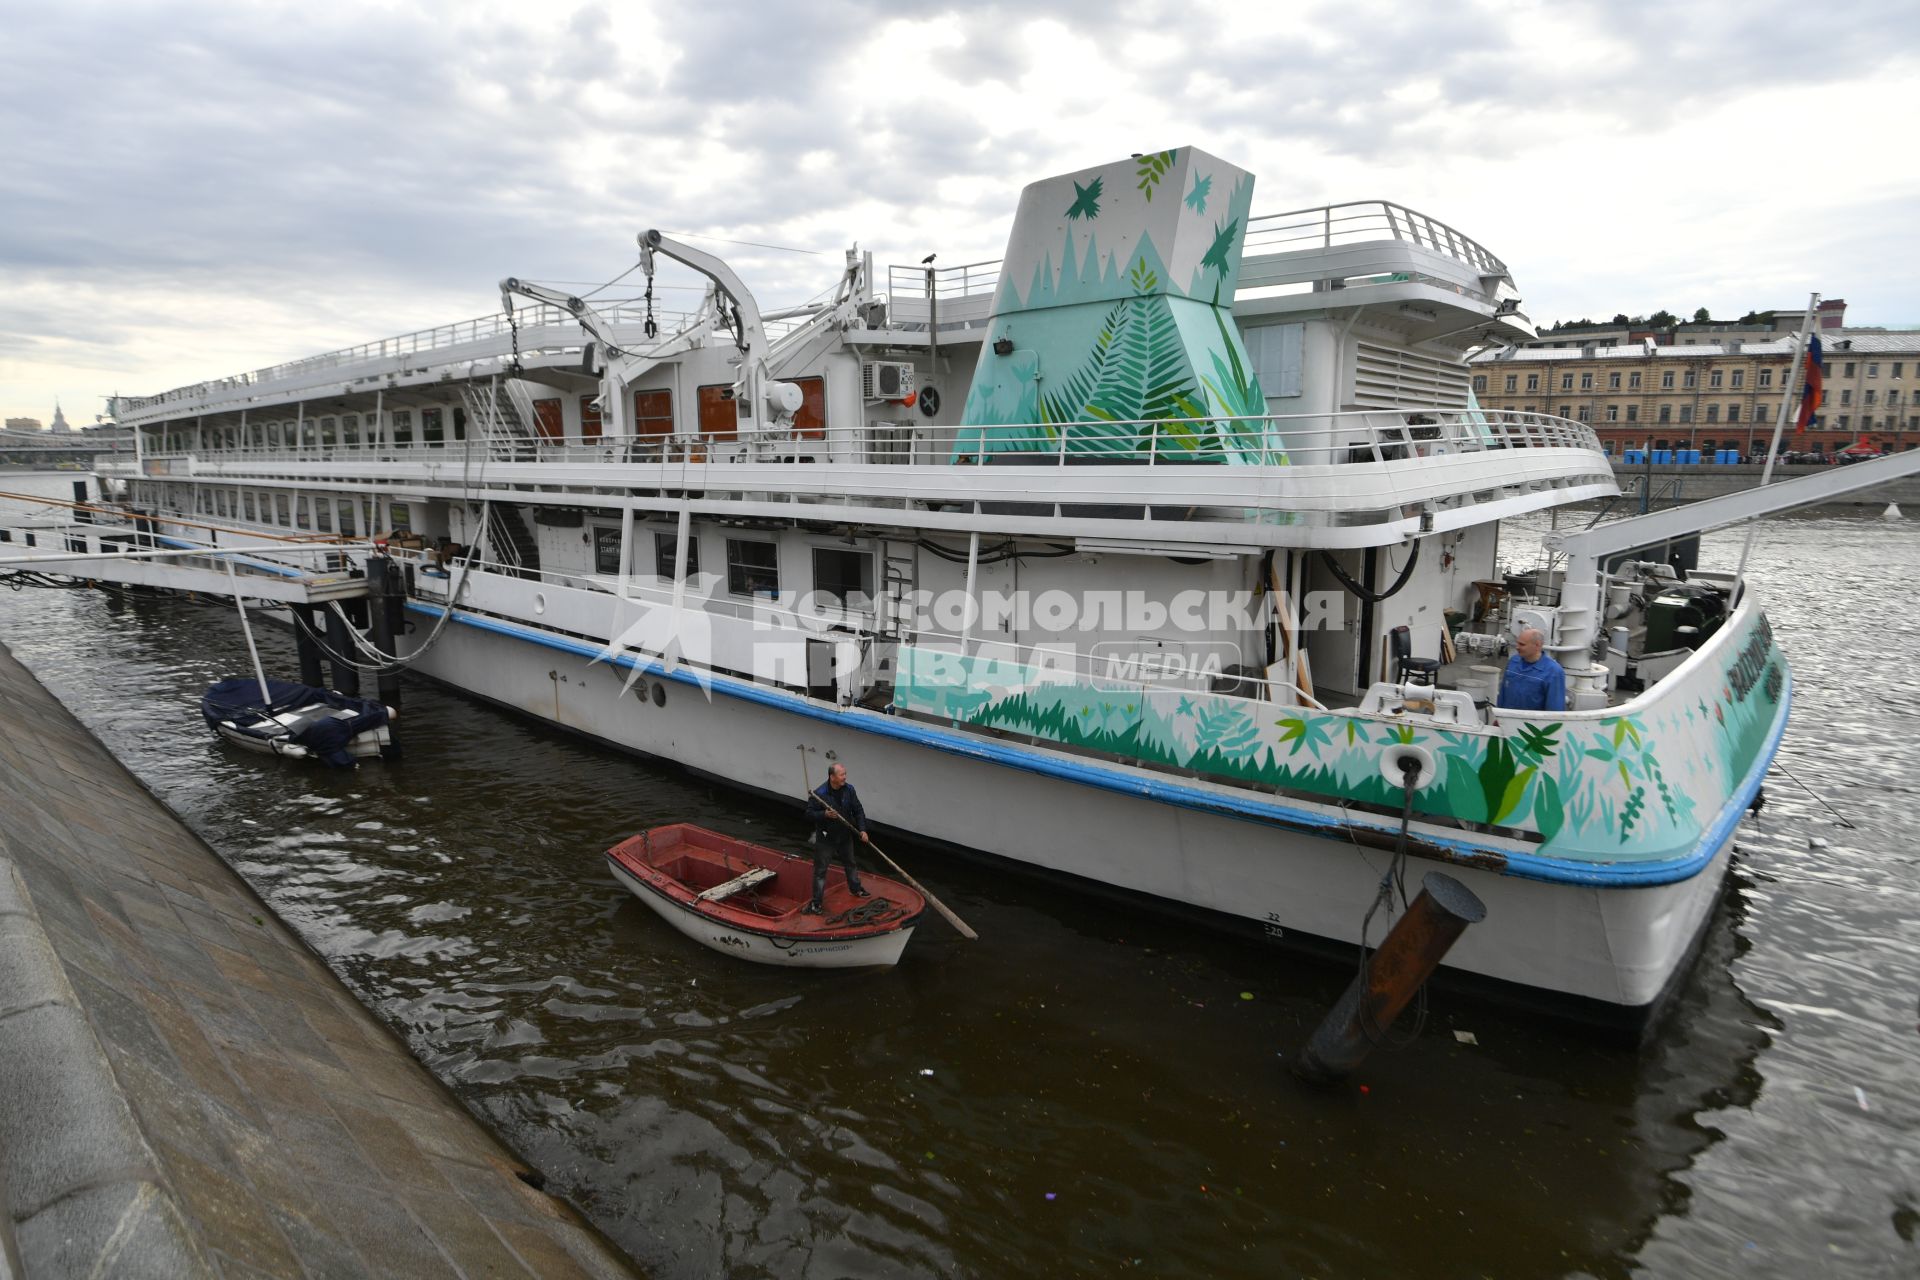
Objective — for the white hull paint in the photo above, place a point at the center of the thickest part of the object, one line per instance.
(1615, 946)
(788, 953)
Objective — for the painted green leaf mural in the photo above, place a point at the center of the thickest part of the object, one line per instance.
(1511, 796)
(1303, 731)
(1197, 198)
(1154, 166)
(1225, 728)
(1549, 815)
(1086, 201)
(1217, 252)
(1137, 371)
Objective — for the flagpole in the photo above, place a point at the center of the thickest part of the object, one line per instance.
(1795, 373)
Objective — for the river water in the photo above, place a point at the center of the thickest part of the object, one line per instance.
(1089, 1090)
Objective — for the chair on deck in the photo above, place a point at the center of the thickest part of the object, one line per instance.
(1407, 668)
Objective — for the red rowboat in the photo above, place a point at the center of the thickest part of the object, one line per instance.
(745, 900)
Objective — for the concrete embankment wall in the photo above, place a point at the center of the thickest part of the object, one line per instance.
(187, 1090)
(1673, 484)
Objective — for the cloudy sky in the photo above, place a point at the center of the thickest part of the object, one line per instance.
(196, 189)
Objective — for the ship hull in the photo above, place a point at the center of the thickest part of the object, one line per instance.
(1597, 946)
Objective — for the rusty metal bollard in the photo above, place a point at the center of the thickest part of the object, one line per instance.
(1407, 956)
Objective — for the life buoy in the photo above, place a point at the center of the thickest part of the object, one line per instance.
(929, 401)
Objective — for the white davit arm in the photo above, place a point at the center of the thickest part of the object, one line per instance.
(756, 388)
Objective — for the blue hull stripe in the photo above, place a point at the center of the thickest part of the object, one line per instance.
(1519, 863)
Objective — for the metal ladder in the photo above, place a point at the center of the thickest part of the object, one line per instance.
(899, 564)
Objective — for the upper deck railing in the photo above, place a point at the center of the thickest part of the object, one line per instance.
(1295, 231)
(1331, 439)
(967, 289)
(1365, 221)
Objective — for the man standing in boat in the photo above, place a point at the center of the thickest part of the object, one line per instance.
(833, 838)
(1533, 680)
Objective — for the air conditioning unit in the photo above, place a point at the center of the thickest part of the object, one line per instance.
(886, 380)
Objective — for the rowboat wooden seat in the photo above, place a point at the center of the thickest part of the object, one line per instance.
(745, 880)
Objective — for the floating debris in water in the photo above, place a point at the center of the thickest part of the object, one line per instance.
(926, 1071)
(1860, 1096)
(1817, 842)
(1246, 995)
(1466, 1037)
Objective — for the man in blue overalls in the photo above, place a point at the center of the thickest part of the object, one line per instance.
(833, 838)
(1533, 681)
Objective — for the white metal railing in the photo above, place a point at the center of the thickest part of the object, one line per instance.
(1359, 221)
(490, 327)
(909, 283)
(1352, 437)
(1323, 227)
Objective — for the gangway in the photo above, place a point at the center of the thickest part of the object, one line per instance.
(1587, 549)
(257, 580)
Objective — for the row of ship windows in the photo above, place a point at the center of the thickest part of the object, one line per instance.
(345, 516)
(1688, 380)
(1684, 415)
(718, 416)
(753, 566)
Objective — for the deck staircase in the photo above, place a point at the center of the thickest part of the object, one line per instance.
(510, 542)
(498, 420)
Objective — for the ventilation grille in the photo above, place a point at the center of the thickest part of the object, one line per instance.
(1389, 378)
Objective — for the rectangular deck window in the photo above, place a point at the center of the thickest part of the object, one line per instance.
(549, 421)
(845, 576)
(323, 515)
(302, 519)
(590, 417)
(246, 504)
(403, 426)
(606, 547)
(810, 422)
(718, 420)
(400, 518)
(753, 568)
(653, 413)
(663, 545)
(348, 526)
(432, 426)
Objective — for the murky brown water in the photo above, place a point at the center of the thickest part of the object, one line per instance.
(1089, 1090)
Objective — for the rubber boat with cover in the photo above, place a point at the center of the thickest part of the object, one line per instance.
(746, 900)
(298, 720)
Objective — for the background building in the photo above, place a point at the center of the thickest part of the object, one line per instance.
(23, 424)
(1709, 396)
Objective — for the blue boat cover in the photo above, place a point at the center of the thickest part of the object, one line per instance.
(325, 736)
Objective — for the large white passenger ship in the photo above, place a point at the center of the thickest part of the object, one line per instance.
(1103, 558)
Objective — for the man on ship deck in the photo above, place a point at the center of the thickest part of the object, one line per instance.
(833, 838)
(1533, 680)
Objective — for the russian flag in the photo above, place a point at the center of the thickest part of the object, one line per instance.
(1810, 394)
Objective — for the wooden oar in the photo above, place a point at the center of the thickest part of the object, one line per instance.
(900, 871)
